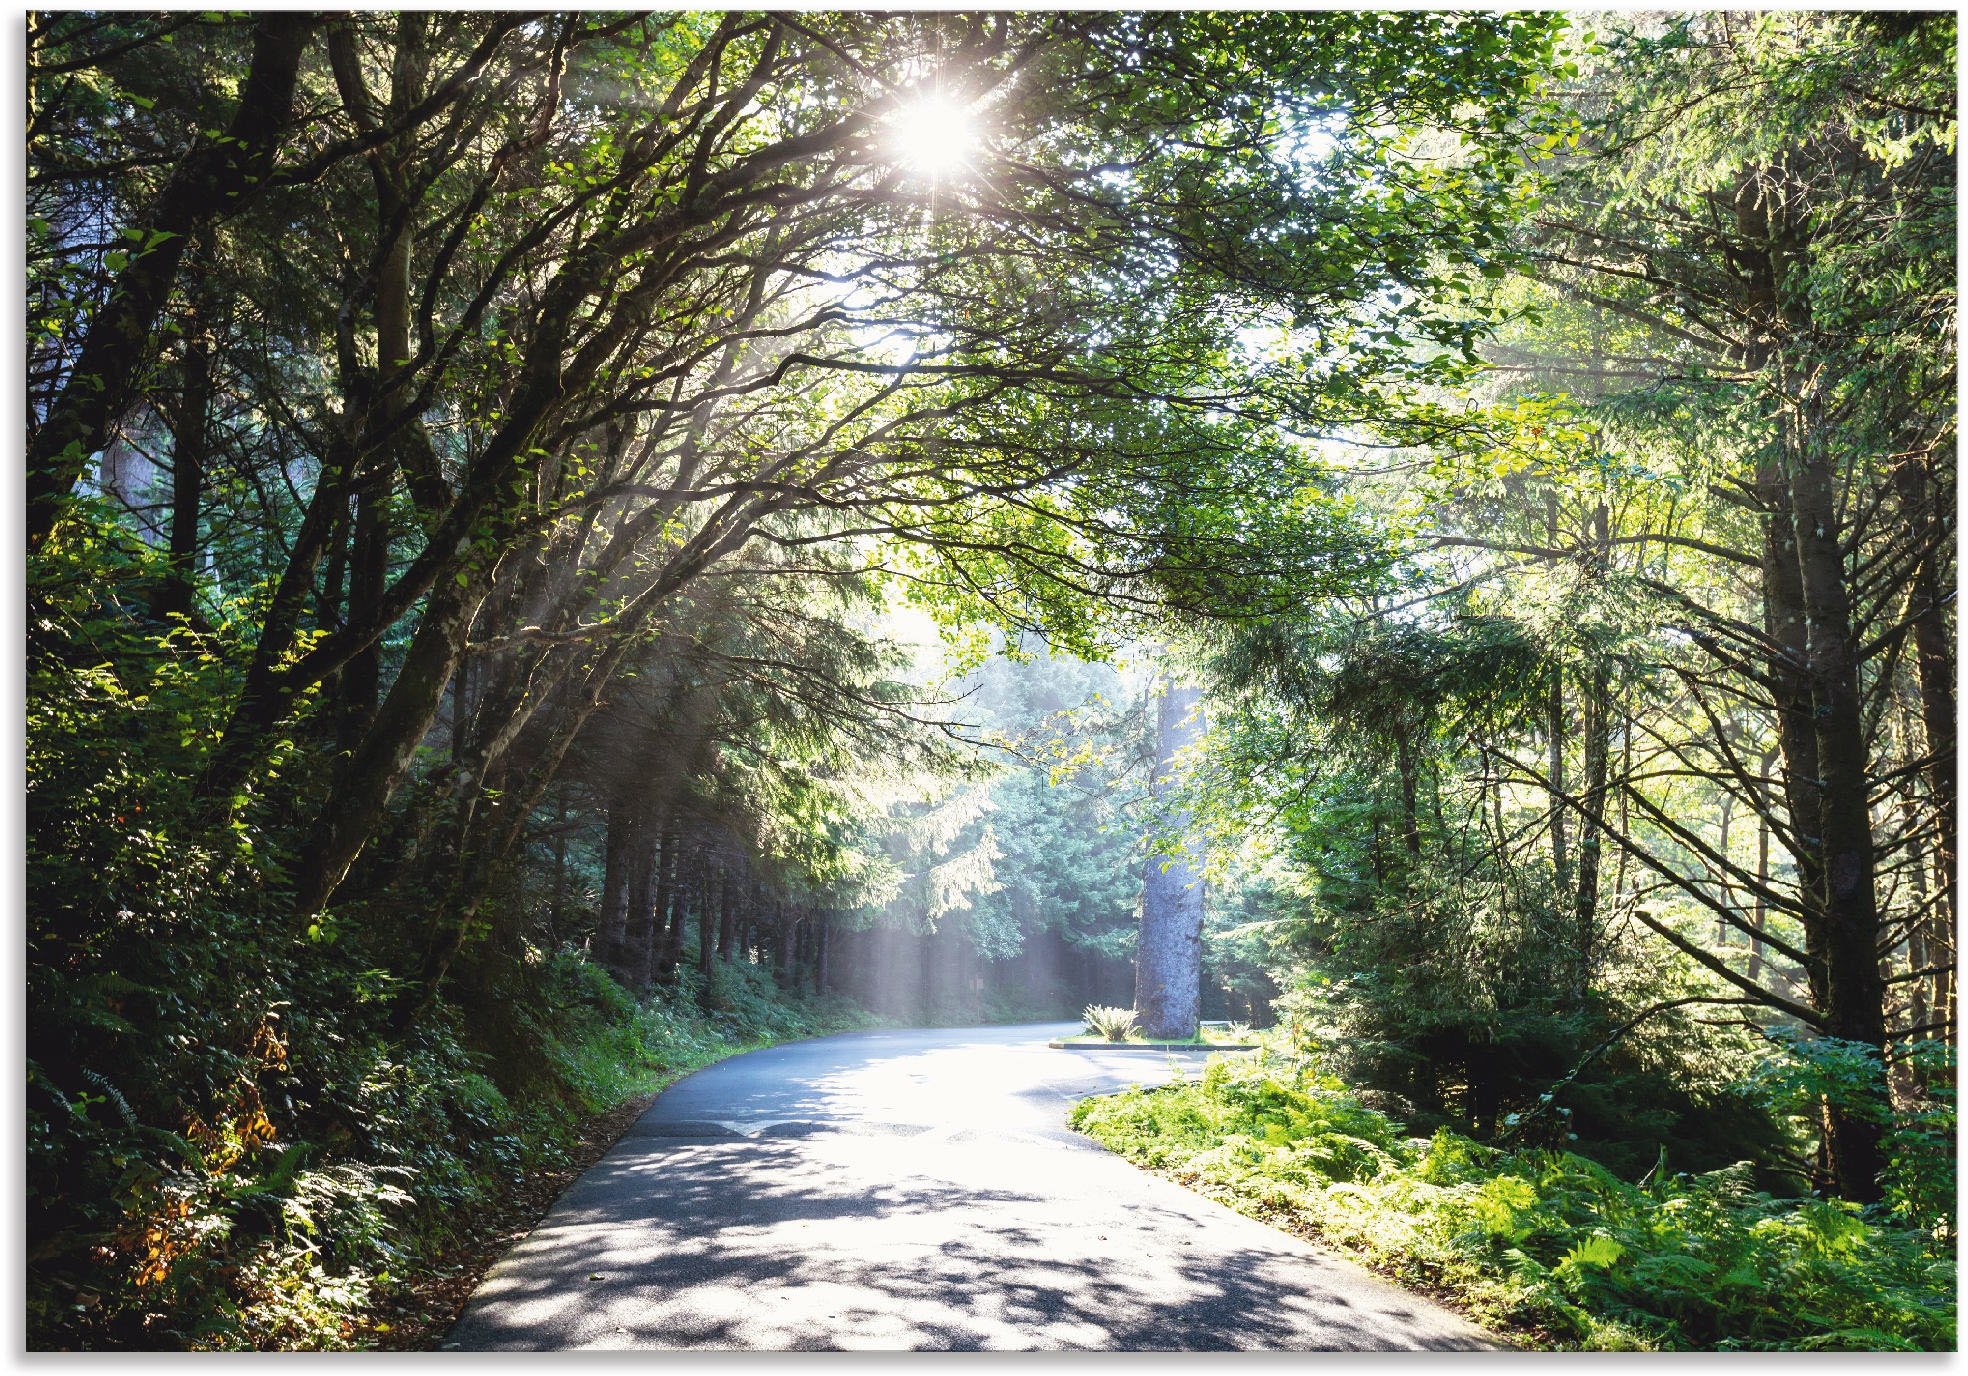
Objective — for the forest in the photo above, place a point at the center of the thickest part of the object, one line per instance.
(563, 546)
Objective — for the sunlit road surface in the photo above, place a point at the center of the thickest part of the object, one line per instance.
(918, 1191)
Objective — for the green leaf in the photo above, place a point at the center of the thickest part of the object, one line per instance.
(1597, 1250)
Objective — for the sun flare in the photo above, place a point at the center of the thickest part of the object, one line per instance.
(934, 137)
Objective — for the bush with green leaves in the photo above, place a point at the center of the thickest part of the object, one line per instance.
(1545, 1241)
(1799, 1076)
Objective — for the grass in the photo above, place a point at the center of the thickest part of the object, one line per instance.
(1545, 1244)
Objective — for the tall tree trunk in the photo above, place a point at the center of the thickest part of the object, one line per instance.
(822, 948)
(1797, 740)
(790, 940)
(688, 895)
(1554, 734)
(1596, 744)
(1814, 674)
(1919, 956)
(1797, 744)
(1929, 597)
(637, 934)
(360, 681)
(1761, 912)
(1855, 991)
(669, 914)
(557, 895)
(716, 887)
(1722, 928)
(727, 933)
(1169, 954)
(362, 676)
(1596, 741)
(617, 847)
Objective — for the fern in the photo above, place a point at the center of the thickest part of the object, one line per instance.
(1115, 1024)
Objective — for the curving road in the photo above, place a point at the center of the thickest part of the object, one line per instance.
(916, 1190)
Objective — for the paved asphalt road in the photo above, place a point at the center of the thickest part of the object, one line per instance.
(921, 1191)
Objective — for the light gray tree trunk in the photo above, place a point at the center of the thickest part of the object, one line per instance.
(1168, 967)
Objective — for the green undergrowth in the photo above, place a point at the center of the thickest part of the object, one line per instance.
(1547, 1243)
(353, 1163)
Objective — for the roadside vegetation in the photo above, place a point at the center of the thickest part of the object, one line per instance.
(1548, 1244)
(413, 1147)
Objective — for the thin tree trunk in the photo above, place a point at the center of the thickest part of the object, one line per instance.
(361, 679)
(1919, 957)
(1722, 849)
(822, 932)
(669, 913)
(1761, 913)
(716, 887)
(727, 933)
(617, 844)
(190, 454)
(638, 935)
(1596, 754)
(557, 896)
(688, 897)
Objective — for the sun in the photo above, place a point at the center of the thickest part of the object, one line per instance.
(933, 137)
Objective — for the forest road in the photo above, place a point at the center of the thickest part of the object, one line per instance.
(916, 1190)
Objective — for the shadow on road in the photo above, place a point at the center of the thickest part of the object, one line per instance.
(763, 1244)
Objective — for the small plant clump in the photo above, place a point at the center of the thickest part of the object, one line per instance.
(1115, 1024)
